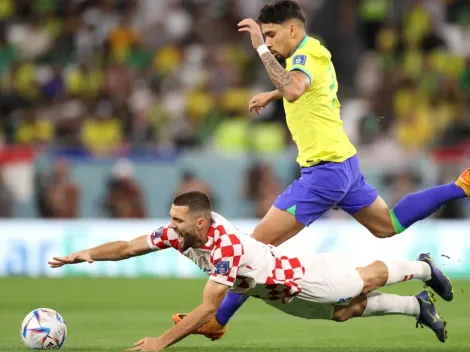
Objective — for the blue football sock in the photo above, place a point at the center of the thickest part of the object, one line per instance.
(232, 302)
(420, 205)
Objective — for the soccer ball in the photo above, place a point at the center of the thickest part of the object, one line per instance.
(43, 329)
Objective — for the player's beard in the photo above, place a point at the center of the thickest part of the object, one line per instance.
(189, 241)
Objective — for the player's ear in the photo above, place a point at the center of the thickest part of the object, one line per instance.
(293, 30)
(200, 223)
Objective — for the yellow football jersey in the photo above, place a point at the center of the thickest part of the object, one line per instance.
(314, 119)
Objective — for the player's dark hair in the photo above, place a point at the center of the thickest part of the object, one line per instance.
(281, 11)
(195, 201)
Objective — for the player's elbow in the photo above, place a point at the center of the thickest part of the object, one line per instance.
(293, 94)
(128, 250)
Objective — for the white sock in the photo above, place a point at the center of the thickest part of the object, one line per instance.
(379, 303)
(402, 270)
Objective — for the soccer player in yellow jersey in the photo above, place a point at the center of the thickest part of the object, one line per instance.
(330, 174)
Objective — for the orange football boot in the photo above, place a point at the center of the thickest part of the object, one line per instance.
(212, 330)
(464, 182)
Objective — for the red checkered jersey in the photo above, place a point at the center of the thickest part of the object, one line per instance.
(237, 260)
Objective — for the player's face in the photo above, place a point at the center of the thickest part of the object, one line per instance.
(186, 225)
(278, 39)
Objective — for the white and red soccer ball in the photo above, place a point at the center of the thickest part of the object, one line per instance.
(43, 329)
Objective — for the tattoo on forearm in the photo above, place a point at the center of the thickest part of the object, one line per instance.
(279, 76)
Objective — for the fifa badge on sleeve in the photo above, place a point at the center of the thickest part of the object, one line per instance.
(157, 233)
(222, 268)
(299, 59)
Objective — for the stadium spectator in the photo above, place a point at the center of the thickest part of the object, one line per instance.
(6, 198)
(61, 196)
(261, 188)
(122, 39)
(102, 133)
(190, 183)
(124, 199)
(34, 128)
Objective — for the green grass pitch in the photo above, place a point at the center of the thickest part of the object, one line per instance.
(111, 314)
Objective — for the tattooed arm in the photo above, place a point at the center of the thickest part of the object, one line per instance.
(291, 85)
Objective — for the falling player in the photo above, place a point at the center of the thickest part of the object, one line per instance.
(330, 175)
(323, 286)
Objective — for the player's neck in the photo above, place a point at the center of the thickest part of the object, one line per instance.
(298, 42)
(204, 234)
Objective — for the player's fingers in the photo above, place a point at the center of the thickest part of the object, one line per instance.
(140, 342)
(246, 22)
(133, 349)
(55, 264)
(258, 110)
(244, 29)
(59, 258)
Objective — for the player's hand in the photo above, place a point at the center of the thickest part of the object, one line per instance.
(148, 344)
(259, 102)
(250, 26)
(74, 258)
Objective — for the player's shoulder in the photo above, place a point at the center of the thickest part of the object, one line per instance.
(225, 233)
(164, 232)
(312, 48)
(223, 226)
(163, 237)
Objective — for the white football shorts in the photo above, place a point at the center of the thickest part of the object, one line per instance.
(330, 279)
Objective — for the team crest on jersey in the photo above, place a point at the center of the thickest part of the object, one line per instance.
(222, 268)
(299, 60)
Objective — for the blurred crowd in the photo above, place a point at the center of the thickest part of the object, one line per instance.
(413, 90)
(414, 75)
(109, 75)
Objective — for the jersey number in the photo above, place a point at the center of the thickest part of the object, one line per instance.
(333, 86)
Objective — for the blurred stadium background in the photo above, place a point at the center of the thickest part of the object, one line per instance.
(109, 108)
(116, 106)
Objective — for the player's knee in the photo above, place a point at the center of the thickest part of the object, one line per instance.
(342, 313)
(382, 230)
(381, 225)
(373, 276)
(341, 317)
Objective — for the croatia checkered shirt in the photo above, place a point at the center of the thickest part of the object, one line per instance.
(234, 259)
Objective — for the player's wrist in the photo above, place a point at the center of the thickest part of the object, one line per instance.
(262, 49)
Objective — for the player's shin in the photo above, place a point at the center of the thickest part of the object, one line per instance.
(420, 205)
(402, 270)
(232, 302)
(379, 304)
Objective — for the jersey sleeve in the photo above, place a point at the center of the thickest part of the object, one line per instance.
(226, 258)
(303, 61)
(163, 238)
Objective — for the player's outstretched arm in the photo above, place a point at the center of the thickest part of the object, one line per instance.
(214, 294)
(111, 251)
